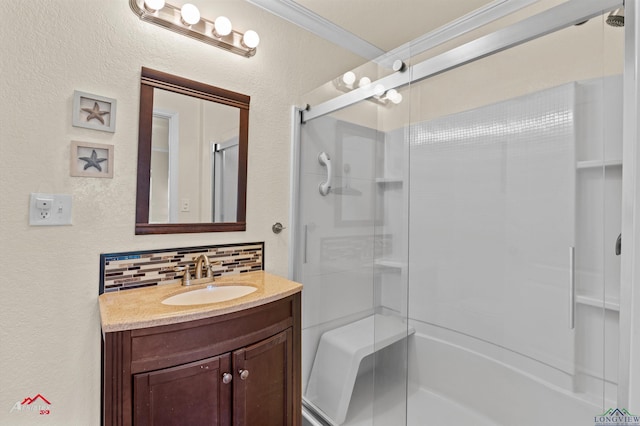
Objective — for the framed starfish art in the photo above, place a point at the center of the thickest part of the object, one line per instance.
(94, 112)
(91, 159)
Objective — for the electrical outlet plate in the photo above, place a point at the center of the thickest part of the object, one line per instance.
(49, 209)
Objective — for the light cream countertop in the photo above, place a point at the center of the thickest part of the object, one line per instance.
(141, 308)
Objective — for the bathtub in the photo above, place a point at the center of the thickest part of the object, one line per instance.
(457, 380)
(454, 380)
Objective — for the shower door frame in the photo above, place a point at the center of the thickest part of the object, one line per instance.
(549, 21)
(628, 370)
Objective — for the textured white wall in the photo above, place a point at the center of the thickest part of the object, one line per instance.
(49, 320)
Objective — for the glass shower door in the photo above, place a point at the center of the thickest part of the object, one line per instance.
(354, 335)
(514, 195)
(483, 217)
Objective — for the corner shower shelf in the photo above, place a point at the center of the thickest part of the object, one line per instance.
(609, 305)
(593, 164)
(338, 358)
(388, 180)
(387, 263)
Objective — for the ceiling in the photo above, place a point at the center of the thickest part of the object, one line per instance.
(382, 30)
(388, 24)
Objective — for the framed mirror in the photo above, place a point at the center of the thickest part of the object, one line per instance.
(192, 156)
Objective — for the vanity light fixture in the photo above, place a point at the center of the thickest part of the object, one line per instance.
(153, 5)
(188, 21)
(250, 39)
(189, 14)
(222, 26)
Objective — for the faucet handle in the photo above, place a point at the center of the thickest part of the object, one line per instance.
(186, 274)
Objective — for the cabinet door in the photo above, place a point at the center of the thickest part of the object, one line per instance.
(263, 382)
(190, 394)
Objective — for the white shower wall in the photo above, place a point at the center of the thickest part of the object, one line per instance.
(493, 216)
(497, 195)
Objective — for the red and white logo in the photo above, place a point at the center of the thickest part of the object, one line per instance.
(38, 404)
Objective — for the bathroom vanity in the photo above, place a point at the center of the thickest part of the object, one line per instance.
(234, 362)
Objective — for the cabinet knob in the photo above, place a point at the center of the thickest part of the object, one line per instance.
(244, 374)
(226, 378)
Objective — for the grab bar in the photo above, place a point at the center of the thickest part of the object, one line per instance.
(572, 287)
(325, 187)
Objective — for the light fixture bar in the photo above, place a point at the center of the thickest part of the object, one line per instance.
(169, 18)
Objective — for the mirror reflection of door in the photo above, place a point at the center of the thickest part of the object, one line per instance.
(164, 158)
(225, 180)
(188, 183)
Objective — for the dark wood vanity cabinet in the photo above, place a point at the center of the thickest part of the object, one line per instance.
(191, 394)
(236, 369)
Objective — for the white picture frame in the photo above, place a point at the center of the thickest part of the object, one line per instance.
(94, 112)
(91, 160)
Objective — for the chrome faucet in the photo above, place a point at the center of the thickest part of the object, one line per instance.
(203, 259)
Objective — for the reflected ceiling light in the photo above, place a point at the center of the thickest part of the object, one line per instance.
(364, 82)
(222, 26)
(189, 14)
(398, 65)
(347, 82)
(188, 21)
(394, 96)
(349, 77)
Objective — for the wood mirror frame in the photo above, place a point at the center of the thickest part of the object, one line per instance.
(151, 79)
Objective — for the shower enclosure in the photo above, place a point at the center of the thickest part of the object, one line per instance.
(456, 237)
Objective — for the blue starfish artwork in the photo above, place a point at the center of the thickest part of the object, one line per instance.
(93, 161)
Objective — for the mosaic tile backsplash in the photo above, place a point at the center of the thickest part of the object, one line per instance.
(123, 271)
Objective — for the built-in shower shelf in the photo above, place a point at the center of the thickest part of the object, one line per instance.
(594, 164)
(338, 359)
(609, 305)
(388, 263)
(389, 180)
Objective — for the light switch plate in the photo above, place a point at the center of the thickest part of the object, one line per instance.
(49, 209)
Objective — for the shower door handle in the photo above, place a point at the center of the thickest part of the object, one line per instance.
(325, 187)
(304, 245)
(572, 287)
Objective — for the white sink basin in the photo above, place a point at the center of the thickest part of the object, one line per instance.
(209, 294)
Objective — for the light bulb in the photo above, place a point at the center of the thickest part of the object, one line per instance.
(378, 90)
(190, 14)
(364, 82)
(153, 5)
(398, 65)
(394, 96)
(349, 78)
(251, 39)
(221, 26)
